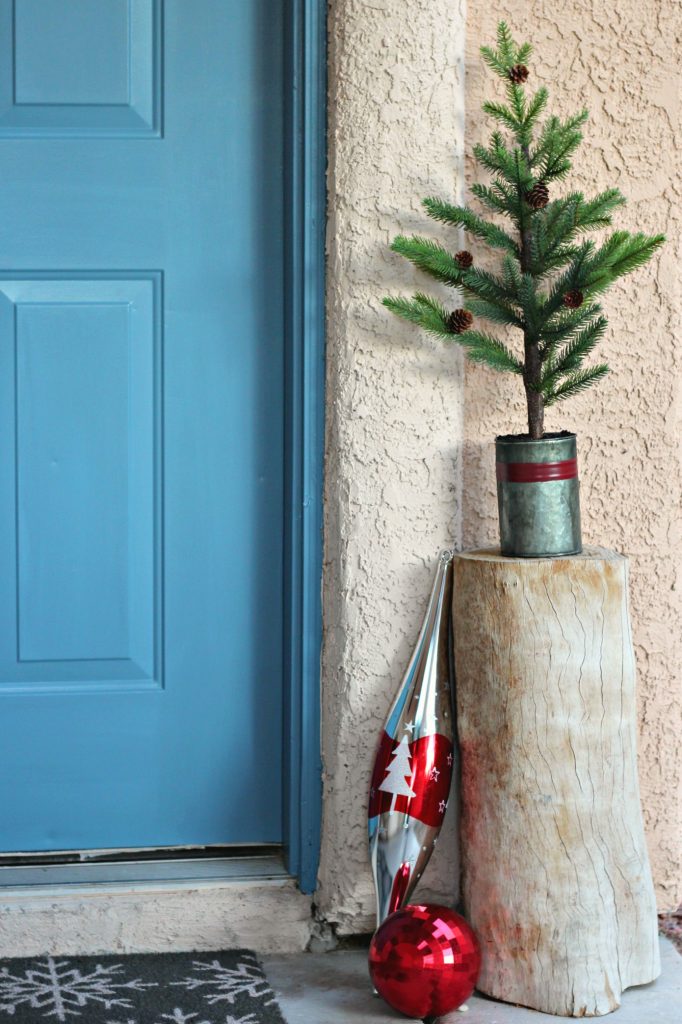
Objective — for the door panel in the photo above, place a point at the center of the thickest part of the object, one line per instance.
(141, 409)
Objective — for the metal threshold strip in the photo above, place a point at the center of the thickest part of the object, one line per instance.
(197, 865)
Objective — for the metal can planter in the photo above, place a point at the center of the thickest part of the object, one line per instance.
(538, 495)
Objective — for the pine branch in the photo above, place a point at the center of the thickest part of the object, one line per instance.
(493, 61)
(572, 279)
(459, 216)
(486, 349)
(421, 310)
(503, 114)
(498, 197)
(530, 303)
(523, 180)
(495, 312)
(563, 220)
(577, 382)
(497, 158)
(430, 257)
(505, 44)
(517, 102)
(485, 285)
(558, 140)
(542, 266)
(511, 275)
(620, 254)
(596, 213)
(523, 53)
(535, 108)
(507, 54)
(557, 222)
(565, 323)
(552, 230)
(571, 357)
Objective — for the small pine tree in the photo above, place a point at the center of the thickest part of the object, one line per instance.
(550, 276)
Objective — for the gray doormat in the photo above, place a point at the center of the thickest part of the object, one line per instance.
(151, 988)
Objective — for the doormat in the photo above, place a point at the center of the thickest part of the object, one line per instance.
(146, 988)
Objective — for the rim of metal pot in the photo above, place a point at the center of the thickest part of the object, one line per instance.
(550, 448)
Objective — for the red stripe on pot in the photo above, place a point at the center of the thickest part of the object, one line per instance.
(536, 472)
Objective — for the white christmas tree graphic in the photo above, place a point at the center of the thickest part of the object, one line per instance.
(398, 772)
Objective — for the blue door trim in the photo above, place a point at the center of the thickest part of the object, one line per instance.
(305, 210)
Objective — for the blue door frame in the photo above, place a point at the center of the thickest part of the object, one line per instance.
(304, 431)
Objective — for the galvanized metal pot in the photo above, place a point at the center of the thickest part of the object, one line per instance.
(538, 495)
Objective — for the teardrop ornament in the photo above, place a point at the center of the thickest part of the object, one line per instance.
(413, 769)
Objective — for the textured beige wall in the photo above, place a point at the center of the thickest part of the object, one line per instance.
(622, 59)
(394, 427)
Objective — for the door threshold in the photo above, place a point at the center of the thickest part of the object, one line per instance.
(242, 908)
(117, 868)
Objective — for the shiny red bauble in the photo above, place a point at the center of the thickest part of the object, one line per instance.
(424, 960)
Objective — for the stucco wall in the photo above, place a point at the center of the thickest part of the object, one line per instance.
(395, 434)
(622, 59)
(394, 428)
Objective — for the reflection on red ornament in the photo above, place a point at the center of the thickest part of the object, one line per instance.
(424, 960)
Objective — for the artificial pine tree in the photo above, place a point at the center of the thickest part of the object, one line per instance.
(550, 276)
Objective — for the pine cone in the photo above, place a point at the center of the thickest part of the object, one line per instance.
(538, 196)
(573, 299)
(518, 74)
(459, 321)
(464, 259)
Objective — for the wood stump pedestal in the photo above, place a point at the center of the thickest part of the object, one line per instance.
(556, 877)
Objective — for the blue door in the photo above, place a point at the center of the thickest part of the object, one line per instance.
(141, 408)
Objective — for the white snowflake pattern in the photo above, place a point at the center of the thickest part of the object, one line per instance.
(178, 1016)
(229, 982)
(61, 991)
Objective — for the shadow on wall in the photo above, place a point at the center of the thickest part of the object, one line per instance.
(480, 494)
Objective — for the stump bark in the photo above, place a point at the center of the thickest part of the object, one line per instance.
(556, 878)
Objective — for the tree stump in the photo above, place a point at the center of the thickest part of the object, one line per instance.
(556, 877)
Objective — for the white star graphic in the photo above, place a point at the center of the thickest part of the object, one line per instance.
(450, 759)
(441, 806)
(434, 774)
(410, 727)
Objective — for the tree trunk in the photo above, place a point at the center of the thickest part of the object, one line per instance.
(556, 878)
(532, 362)
(536, 412)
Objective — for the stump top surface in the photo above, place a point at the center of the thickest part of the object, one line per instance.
(590, 553)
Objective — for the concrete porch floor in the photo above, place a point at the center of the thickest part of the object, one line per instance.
(333, 988)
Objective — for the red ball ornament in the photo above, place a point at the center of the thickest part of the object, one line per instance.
(424, 960)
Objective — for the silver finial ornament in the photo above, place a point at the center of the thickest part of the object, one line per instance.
(413, 768)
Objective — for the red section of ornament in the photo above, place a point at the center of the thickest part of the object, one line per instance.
(400, 884)
(431, 764)
(424, 960)
(536, 472)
